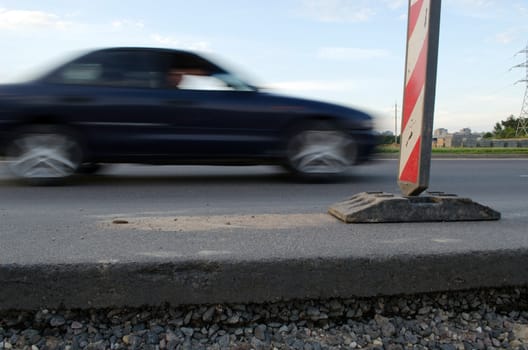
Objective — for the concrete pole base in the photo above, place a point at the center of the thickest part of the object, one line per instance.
(379, 207)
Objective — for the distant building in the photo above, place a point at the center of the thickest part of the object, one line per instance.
(509, 143)
(485, 142)
(440, 133)
(462, 138)
(443, 141)
(465, 138)
(465, 131)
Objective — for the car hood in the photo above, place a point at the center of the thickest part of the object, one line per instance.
(303, 105)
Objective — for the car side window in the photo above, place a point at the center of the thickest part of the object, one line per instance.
(202, 82)
(112, 68)
(190, 72)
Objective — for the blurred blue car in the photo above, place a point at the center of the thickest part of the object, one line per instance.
(163, 106)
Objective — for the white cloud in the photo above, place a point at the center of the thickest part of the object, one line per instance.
(454, 120)
(481, 9)
(522, 9)
(395, 4)
(122, 23)
(337, 10)
(313, 85)
(495, 99)
(504, 37)
(512, 34)
(30, 20)
(454, 115)
(351, 53)
(473, 4)
(189, 44)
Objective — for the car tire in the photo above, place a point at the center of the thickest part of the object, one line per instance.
(44, 154)
(320, 151)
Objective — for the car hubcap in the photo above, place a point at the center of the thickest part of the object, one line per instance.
(318, 151)
(44, 156)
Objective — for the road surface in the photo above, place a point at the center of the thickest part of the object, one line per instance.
(76, 218)
(252, 225)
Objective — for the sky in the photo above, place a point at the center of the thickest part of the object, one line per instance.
(350, 52)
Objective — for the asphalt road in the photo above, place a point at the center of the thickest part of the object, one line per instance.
(226, 190)
(73, 223)
(216, 234)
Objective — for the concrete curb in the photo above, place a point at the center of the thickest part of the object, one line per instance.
(227, 281)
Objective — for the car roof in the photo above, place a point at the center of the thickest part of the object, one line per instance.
(147, 48)
(189, 55)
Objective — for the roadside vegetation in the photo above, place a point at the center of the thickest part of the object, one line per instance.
(505, 129)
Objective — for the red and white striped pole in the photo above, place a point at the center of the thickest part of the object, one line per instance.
(416, 141)
(419, 96)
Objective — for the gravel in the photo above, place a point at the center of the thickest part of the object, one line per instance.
(478, 319)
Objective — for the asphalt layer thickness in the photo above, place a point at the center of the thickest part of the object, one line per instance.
(231, 237)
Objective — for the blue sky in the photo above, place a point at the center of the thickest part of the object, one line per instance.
(346, 51)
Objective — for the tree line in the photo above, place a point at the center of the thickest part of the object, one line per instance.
(505, 129)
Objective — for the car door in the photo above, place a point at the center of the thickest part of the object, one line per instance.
(111, 95)
(214, 116)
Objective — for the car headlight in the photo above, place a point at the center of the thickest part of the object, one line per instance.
(366, 123)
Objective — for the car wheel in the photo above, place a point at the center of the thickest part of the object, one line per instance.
(43, 154)
(320, 151)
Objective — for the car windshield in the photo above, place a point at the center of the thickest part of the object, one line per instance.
(234, 82)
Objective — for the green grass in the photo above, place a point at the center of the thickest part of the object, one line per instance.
(387, 149)
(455, 150)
